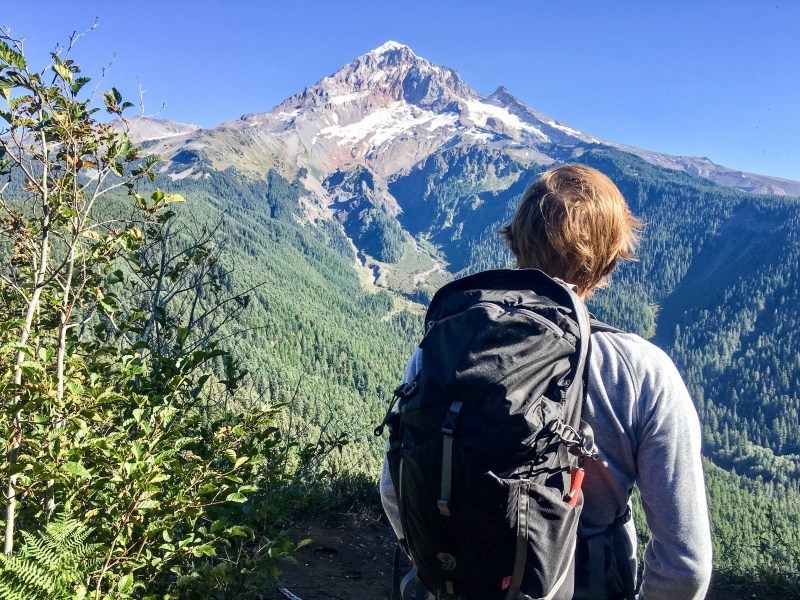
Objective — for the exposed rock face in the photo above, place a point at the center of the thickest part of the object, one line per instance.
(390, 109)
(367, 212)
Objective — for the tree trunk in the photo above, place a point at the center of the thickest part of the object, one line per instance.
(33, 306)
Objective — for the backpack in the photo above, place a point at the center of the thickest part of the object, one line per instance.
(486, 443)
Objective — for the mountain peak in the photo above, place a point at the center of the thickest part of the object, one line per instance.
(388, 47)
(387, 74)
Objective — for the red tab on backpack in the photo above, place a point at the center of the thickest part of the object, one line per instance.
(506, 583)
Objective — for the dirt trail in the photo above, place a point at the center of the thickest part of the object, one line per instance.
(350, 558)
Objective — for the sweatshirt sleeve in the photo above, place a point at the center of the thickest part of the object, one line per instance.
(677, 559)
(388, 493)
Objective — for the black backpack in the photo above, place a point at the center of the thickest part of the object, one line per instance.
(486, 442)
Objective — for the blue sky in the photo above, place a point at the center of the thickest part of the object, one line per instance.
(715, 78)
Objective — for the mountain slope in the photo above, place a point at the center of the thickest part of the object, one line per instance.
(392, 174)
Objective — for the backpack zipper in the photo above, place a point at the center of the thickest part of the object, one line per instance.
(501, 308)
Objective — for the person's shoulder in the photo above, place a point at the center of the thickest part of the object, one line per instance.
(659, 387)
(649, 369)
(634, 349)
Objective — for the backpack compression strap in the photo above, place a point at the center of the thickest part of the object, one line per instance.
(448, 428)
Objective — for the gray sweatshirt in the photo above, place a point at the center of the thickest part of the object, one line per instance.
(647, 433)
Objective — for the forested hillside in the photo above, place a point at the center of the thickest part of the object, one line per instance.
(312, 333)
(715, 286)
(180, 379)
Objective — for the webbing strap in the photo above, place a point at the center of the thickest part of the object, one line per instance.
(599, 326)
(626, 573)
(397, 584)
(597, 566)
(564, 464)
(408, 578)
(447, 458)
(608, 561)
(447, 476)
(522, 541)
(619, 544)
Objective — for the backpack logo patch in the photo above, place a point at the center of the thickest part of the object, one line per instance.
(448, 561)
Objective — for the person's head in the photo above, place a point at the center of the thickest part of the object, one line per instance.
(573, 224)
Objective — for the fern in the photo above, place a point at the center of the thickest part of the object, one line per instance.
(52, 564)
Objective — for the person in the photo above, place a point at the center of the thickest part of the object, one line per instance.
(574, 224)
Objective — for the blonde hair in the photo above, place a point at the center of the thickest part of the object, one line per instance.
(573, 224)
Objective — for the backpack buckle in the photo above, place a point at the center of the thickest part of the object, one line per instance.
(449, 425)
(401, 392)
(580, 442)
(405, 390)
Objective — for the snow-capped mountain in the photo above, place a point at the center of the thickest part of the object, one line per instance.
(397, 167)
(389, 110)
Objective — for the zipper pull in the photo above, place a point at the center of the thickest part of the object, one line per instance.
(428, 328)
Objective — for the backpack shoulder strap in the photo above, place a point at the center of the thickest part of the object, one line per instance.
(600, 327)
